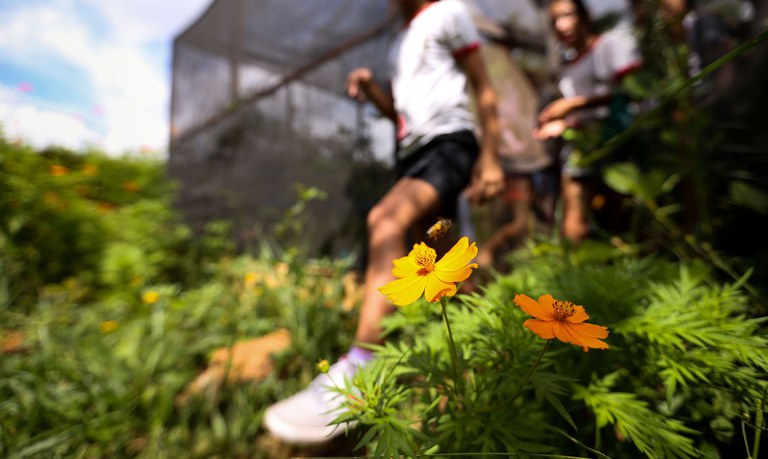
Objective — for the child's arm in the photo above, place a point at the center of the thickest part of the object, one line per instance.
(488, 177)
(360, 85)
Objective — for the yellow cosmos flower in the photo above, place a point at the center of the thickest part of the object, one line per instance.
(57, 170)
(150, 297)
(250, 278)
(418, 273)
(91, 170)
(108, 326)
(131, 186)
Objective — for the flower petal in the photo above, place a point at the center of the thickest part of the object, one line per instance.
(454, 276)
(591, 330)
(564, 334)
(436, 288)
(533, 308)
(586, 340)
(405, 266)
(569, 333)
(543, 328)
(459, 255)
(404, 291)
(580, 315)
(546, 302)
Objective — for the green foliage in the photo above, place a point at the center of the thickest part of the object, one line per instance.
(685, 362)
(62, 212)
(119, 307)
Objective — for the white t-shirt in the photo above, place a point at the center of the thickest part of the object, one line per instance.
(428, 86)
(594, 73)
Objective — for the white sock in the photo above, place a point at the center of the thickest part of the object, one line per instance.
(359, 356)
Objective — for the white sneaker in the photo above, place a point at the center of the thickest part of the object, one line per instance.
(304, 418)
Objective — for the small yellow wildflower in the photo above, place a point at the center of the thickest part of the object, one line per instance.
(58, 170)
(250, 278)
(91, 170)
(418, 273)
(131, 186)
(282, 268)
(105, 207)
(150, 297)
(108, 326)
(323, 366)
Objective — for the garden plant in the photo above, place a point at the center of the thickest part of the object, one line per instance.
(645, 342)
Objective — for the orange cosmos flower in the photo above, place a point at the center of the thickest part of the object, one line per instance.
(131, 186)
(562, 320)
(418, 273)
(57, 170)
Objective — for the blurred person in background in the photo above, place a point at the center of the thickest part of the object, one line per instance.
(593, 65)
(434, 58)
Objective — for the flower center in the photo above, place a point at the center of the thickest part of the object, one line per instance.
(563, 309)
(425, 257)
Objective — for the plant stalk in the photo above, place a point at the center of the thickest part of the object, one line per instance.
(530, 372)
(525, 379)
(759, 423)
(451, 342)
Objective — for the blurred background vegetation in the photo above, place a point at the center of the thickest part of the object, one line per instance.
(110, 305)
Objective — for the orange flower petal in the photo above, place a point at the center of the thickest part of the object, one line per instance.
(579, 316)
(563, 333)
(533, 308)
(543, 328)
(586, 340)
(575, 337)
(546, 302)
(591, 330)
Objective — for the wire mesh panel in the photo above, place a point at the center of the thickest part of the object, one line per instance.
(259, 106)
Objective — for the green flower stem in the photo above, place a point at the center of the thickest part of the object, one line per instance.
(525, 380)
(530, 372)
(451, 343)
(759, 423)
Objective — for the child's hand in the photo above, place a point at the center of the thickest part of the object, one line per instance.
(356, 81)
(556, 110)
(550, 130)
(487, 179)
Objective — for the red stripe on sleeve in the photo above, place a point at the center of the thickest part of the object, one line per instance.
(626, 70)
(470, 48)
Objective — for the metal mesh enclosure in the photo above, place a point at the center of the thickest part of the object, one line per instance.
(258, 106)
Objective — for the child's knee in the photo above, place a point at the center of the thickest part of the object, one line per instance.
(380, 220)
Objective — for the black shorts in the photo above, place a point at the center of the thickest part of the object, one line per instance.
(446, 162)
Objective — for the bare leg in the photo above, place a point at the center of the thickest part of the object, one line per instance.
(576, 195)
(388, 222)
(518, 195)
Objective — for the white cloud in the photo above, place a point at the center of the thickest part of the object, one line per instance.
(125, 57)
(42, 126)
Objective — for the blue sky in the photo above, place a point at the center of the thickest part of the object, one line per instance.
(82, 73)
(93, 73)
